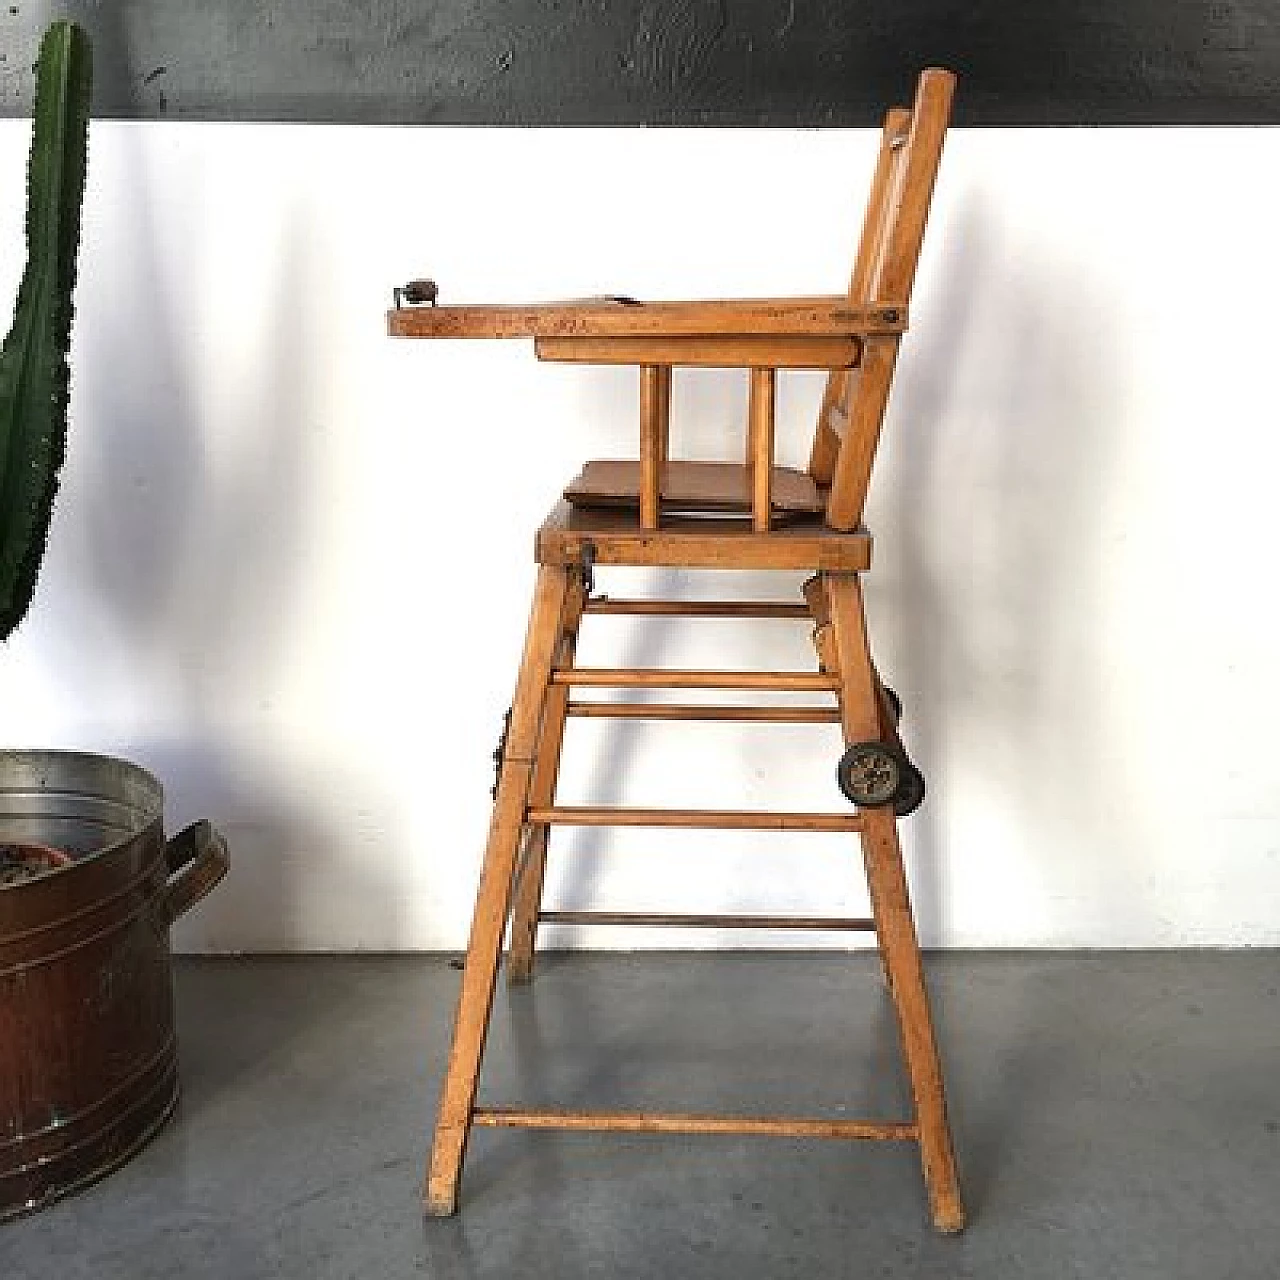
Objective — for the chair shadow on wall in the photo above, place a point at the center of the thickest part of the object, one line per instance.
(195, 572)
(1042, 472)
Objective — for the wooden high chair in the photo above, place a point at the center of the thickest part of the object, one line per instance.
(656, 511)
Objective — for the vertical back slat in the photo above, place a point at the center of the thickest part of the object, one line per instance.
(893, 138)
(895, 238)
(858, 448)
(826, 439)
(763, 383)
(929, 119)
(664, 415)
(652, 449)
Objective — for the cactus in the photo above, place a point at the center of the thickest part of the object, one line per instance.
(34, 376)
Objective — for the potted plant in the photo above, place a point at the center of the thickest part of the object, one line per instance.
(89, 885)
(34, 374)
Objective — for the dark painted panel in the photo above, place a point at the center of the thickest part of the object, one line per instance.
(754, 62)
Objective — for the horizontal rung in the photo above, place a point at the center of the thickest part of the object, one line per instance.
(668, 1122)
(850, 924)
(693, 711)
(639, 678)
(711, 819)
(700, 608)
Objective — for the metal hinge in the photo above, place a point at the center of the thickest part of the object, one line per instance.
(500, 751)
(587, 567)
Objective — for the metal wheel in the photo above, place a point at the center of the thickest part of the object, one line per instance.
(895, 702)
(870, 773)
(910, 793)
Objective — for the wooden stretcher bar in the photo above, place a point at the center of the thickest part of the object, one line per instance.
(699, 819)
(700, 608)
(672, 1122)
(838, 924)
(642, 678)
(693, 711)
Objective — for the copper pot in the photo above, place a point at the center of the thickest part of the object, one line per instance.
(88, 1057)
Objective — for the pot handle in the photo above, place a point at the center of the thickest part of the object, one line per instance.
(200, 849)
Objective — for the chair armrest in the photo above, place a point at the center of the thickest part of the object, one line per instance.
(818, 317)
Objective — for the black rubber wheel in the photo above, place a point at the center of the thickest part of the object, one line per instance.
(910, 793)
(895, 702)
(870, 773)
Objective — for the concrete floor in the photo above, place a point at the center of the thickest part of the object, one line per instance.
(1117, 1115)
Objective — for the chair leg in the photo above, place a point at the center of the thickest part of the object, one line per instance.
(891, 908)
(824, 646)
(542, 790)
(457, 1099)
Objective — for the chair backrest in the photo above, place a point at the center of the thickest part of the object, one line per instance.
(853, 404)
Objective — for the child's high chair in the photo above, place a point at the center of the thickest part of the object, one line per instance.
(656, 511)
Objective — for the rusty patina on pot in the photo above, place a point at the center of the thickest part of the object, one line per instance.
(88, 1057)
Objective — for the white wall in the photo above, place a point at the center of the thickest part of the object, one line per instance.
(267, 580)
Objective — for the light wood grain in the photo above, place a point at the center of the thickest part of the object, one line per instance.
(894, 140)
(652, 512)
(713, 351)
(660, 919)
(488, 924)
(664, 413)
(852, 478)
(842, 385)
(891, 907)
(700, 711)
(886, 268)
(929, 116)
(781, 610)
(542, 791)
(673, 1122)
(704, 819)
(703, 543)
(693, 486)
(761, 415)
(652, 447)
(829, 316)
(661, 678)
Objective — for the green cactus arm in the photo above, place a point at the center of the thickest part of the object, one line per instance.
(34, 375)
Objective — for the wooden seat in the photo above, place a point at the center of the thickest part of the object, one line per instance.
(616, 536)
(692, 488)
(653, 510)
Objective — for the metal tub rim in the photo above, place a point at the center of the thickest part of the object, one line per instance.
(92, 788)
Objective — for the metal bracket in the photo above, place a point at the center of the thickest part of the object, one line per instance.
(587, 567)
(416, 293)
(500, 751)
